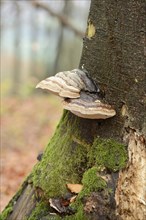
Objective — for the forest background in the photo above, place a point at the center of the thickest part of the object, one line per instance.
(38, 39)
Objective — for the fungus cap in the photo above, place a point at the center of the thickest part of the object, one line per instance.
(80, 93)
(91, 109)
(68, 84)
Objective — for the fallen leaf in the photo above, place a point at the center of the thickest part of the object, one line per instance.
(74, 188)
(72, 199)
(60, 206)
(56, 204)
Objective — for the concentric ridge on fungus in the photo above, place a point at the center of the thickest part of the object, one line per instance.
(80, 94)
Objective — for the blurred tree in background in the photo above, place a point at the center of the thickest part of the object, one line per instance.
(39, 38)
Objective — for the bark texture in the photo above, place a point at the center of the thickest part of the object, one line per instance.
(115, 58)
(92, 152)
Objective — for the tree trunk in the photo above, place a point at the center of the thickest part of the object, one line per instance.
(16, 77)
(106, 156)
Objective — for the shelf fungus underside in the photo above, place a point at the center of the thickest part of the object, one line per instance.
(80, 93)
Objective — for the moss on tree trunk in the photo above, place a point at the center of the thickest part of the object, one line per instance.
(71, 158)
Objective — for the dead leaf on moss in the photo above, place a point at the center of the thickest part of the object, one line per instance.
(61, 206)
(72, 199)
(74, 188)
(56, 204)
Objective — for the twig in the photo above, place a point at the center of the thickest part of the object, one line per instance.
(63, 19)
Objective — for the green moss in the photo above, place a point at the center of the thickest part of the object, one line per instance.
(69, 159)
(64, 161)
(39, 211)
(79, 214)
(91, 182)
(6, 213)
(107, 153)
(42, 211)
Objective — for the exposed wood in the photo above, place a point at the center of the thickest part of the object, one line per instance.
(24, 205)
(131, 191)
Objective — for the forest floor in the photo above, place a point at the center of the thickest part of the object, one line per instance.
(26, 127)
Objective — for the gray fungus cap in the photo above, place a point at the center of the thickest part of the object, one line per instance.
(89, 106)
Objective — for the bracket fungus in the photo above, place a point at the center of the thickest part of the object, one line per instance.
(88, 106)
(80, 94)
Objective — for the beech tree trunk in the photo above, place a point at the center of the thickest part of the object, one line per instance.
(106, 156)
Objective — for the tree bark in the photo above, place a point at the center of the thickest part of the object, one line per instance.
(106, 156)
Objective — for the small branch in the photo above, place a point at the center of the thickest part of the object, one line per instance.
(63, 19)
